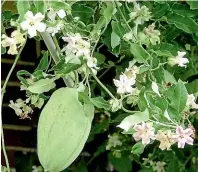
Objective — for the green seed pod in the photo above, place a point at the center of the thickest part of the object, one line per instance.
(63, 128)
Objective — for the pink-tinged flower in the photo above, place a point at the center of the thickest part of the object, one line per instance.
(124, 85)
(145, 131)
(183, 136)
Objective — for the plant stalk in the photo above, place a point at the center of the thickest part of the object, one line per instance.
(2, 96)
(54, 53)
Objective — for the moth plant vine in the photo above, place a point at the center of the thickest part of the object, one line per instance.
(129, 70)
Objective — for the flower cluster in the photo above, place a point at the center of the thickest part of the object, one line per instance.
(140, 15)
(126, 80)
(149, 35)
(52, 14)
(146, 132)
(158, 166)
(180, 60)
(79, 47)
(55, 25)
(14, 42)
(191, 102)
(21, 109)
(113, 141)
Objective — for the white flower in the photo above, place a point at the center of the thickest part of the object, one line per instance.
(180, 60)
(11, 43)
(52, 14)
(165, 138)
(140, 15)
(159, 166)
(191, 101)
(61, 13)
(144, 132)
(128, 36)
(33, 23)
(15, 41)
(154, 87)
(131, 72)
(183, 136)
(115, 104)
(54, 29)
(20, 108)
(77, 45)
(113, 141)
(124, 85)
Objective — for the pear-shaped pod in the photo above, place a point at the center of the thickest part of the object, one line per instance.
(63, 128)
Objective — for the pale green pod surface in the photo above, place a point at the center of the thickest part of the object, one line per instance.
(63, 128)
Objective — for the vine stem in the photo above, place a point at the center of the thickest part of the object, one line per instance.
(101, 84)
(122, 15)
(2, 96)
(166, 125)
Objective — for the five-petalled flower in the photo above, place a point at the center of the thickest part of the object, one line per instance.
(33, 23)
(144, 132)
(183, 136)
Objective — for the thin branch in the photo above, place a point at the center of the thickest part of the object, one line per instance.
(2, 95)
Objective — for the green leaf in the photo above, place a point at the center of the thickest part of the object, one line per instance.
(3, 50)
(169, 77)
(182, 22)
(160, 10)
(58, 5)
(44, 62)
(118, 28)
(99, 102)
(140, 54)
(64, 68)
(100, 58)
(136, 118)
(22, 7)
(109, 11)
(39, 6)
(138, 148)
(122, 164)
(193, 4)
(115, 40)
(183, 9)
(43, 85)
(22, 79)
(178, 101)
(142, 103)
(85, 13)
(173, 165)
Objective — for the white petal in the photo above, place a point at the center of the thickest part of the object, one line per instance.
(39, 17)
(181, 54)
(51, 14)
(25, 25)
(61, 13)
(117, 83)
(181, 143)
(40, 27)
(29, 15)
(155, 88)
(32, 32)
